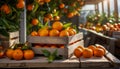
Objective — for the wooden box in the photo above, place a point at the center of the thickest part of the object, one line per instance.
(10, 40)
(70, 43)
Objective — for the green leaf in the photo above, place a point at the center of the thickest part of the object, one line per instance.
(55, 53)
(46, 53)
(51, 58)
(67, 25)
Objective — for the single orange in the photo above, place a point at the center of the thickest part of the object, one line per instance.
(81, 47)
(87, 53)
(50, 16)
(20, 4)
(70, 15)
(78, 52)
(62, 5)
(17, 54)
(98, 52)
(64, 33)
(34, 21)
(1, 53)
(9, 53)
(43, 32)
(56, 18)
(46, 19)
(99, 46)
(54, 32)
(5, 8)
(47, 1)
(34, 33)
(30, 7)
(92, 47)
(28, 54)
(57, 25)
(53, 46)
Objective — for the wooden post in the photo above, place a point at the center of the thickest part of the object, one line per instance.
(102, 7)
(108, 4)
(116, 10)
(23, 27)
(96, 8)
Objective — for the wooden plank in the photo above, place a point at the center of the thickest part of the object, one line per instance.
(55, 40)
(38, 62)
(94, 62)
(115, 61)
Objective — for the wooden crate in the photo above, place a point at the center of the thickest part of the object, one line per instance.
(10, 40)
(70, 43)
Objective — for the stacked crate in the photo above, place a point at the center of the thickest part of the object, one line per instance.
(13, 38)
(70, 43)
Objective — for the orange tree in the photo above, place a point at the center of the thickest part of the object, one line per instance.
(41, 11)
(10, 11)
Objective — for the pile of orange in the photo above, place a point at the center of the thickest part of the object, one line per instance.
(57, 29)
(19, 54)
(90, 51)
(48, 45)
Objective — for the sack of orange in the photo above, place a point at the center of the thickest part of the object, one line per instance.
(57, 29)
(90, 51)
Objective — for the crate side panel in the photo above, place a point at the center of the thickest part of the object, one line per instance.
(48, 40)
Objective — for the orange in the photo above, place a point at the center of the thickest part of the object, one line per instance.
(43, 32)
(34, 21)
(54, 32)
(37, 46)
(64, 33)
(87, 53)
(57, 25)
(1, 53)
(81, 47)
(98, 52)
(46, 46)
(62, 5)
(5, 8)
(9, 53)
(34, 33)
(53, 46)
(46, 19)
(71, 29)
(61, 46)
(28, 54)
(17, 54)
(92, 47)
(50, 16)
(47, 1)
(101, 47)
(71, 32)
(30, 7)
(70, 15)
(78, 52)
(56, 18)
(20, 4)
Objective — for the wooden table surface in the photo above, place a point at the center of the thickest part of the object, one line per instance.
(107, 61)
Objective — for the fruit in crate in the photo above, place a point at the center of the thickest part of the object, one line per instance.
(56, 29)
(9, 53)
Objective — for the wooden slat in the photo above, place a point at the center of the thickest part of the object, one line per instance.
(113, 59)
(55, 40)
(38, 62)
(94, 62)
